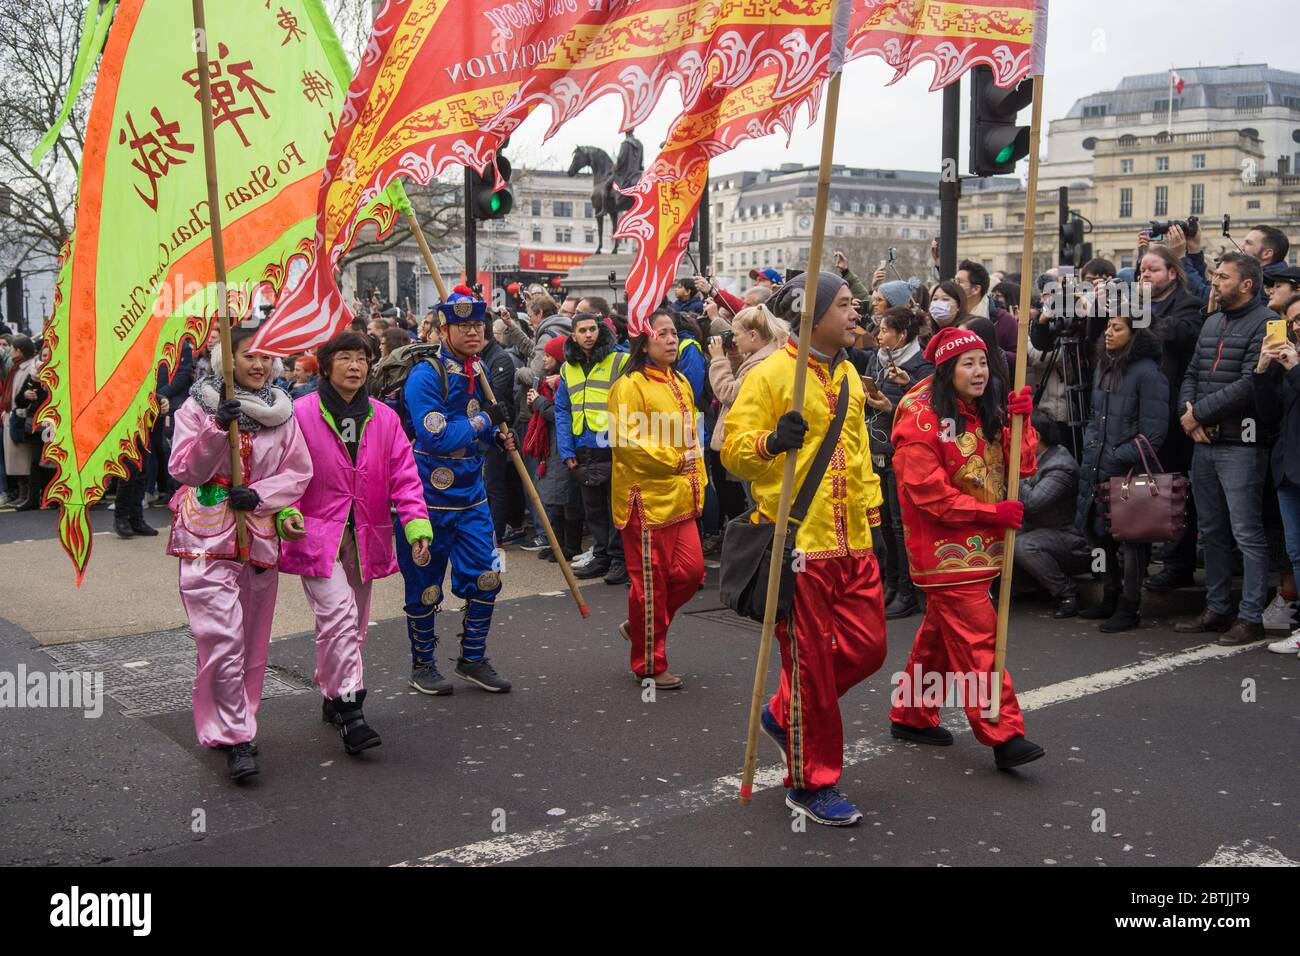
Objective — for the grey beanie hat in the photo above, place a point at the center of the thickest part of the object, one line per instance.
(787, 303)
(899, 292)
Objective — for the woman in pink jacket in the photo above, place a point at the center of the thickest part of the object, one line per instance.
(363, 462)
(229, 596)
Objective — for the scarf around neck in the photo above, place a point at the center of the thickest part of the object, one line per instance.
(899, 357)
(268, 407)
(342, 411)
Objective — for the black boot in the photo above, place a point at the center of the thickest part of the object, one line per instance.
(1015, 752)
(22, 490)
(1100, 612)
(904, 603)
(143, 529)
(32, 491)
(122, 526)
(1066, 607)
(240, 762)
(938, 736)
(356, 733)
(1125, 618)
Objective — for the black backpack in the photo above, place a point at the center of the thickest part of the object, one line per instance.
(390, 375)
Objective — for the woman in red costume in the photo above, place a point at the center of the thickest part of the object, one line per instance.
(950, 433)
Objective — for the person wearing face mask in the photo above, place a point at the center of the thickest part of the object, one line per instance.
(947, 305)
(228, 592)
(836, 637)
(950, 439)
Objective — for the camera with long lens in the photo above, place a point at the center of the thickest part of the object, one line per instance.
(1158, 227)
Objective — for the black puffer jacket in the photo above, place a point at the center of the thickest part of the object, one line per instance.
(1218, 380)
(1177, 322)
(1133, 402)
(1050, 492)
(604, 345)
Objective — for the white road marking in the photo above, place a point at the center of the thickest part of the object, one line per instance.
(607, 823)
(1248, 853)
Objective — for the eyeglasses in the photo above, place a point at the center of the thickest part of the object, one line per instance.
(471, 327)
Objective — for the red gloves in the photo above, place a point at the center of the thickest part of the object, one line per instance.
(1010, 514)
(1021, 402)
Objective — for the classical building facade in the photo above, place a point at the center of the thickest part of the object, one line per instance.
(1222, 159)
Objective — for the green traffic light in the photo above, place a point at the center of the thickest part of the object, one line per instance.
(1005, 153)
(495, 202)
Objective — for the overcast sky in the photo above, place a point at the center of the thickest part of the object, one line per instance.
(1091, 46)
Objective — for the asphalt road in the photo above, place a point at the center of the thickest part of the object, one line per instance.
(1153, 757)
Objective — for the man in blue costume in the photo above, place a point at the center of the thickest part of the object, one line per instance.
(453, 424)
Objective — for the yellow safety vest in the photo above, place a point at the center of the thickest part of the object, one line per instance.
(589, 392)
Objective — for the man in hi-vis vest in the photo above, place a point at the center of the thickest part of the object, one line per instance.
(582, 435)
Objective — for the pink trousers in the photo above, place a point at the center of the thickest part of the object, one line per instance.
(230, 609)
(341, 603)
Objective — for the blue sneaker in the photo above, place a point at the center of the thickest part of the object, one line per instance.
(825, 805)
(773, 730)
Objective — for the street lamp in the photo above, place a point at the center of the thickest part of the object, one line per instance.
(44, 314)
(27, 312)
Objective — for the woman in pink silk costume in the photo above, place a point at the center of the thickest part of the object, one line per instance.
(229, 597)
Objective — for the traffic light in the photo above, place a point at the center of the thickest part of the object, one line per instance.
(486, 200)
(996, 142)
(1074, 251)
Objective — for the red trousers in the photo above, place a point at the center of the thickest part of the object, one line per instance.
(957, 638)
(666, 566)
(836, 641)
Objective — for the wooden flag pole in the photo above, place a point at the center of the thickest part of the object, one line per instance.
(796, 404)
(219, 258)
(1017, 421)
(538, 508)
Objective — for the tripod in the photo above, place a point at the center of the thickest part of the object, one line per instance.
(1068, 354)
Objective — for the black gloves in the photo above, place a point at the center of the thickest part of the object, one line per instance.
(243, 498)
(496, 413)
(227, 412)
(789, 433)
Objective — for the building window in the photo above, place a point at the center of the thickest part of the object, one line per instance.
(744, 236)
(884, 209)
(563, 209)
(589, 236)
(1161, 106)
(907, 233)
(1250, 103)
(776, 208)
(961, 223)
(767, 257)
(1198, 160)
(839, 230)
(780, 256)
(1198, 199)
(920, 210)
(588, 210)
(1126, 165)
(871, 209)
(935, 211)
(563, 234)
(835, 205)
(731, 261)
(1125, 203)
(1162, 201)
(1252, 204)
(1097, 110)
(753, 211)
(988, 220)
(1162, 164)
(537, 233)
(744, 259)
(855, 206)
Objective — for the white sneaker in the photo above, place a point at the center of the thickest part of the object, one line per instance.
(1288, 645)
(1279, 615)
(583, 559)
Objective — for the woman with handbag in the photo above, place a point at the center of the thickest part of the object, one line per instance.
(658, 491)
(17, 447)
(1130, 406)
(950, 439)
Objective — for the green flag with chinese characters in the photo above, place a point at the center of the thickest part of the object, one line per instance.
(138, 276)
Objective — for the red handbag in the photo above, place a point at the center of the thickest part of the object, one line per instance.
(1146, 506)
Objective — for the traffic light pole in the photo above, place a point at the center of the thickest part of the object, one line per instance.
(1063, 215)
(705, 237)
(949, 181)
(471, 231)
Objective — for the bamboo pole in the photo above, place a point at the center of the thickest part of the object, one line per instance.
(219, 259)
(1017, 421)
(796, 404)
(531, 489)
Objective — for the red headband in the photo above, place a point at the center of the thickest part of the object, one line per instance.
(948, 343)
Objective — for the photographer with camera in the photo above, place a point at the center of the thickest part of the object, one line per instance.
(1230, 460)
